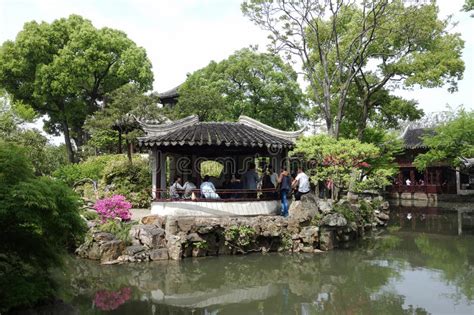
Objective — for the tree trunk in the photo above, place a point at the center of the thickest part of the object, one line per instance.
(67, 140)
(119, 151)
(363, 122)
(129, 150)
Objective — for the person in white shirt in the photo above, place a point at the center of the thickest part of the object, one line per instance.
(408, 182)
(273, 176)
(176, 188)
(302, 180)
(208, 190)
(188, 188)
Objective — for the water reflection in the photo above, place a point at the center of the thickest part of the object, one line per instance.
(402, 272)
(443, 219)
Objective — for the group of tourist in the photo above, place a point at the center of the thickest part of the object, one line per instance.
(246, 186)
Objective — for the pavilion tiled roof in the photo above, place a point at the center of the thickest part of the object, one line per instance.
(217, 133)
(413, 138)
(191, 132)
(171, 93)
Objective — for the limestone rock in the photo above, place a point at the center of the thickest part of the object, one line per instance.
(304, 209)
(134, 249)
(334, 219)
(326, 240)
(151, 236)
(159, 254)
(103, 236)
(94, 252)
(382, 216)
(154, 220)
(175, 248)
(111, 250)
(325, 206)
(194, 237)
(171, 225)
(309, 234)
(186, 224)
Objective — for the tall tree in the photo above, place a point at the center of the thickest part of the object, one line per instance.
(65, 68)
(39, 219)
(452, 142)
(329, 38)
(259, 85)
(120, 115)
(468, 6)
(44, 156)
(372, 44)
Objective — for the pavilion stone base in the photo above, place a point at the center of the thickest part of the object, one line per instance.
(215, 208)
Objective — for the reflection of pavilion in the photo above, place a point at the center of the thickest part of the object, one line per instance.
(179, 148)
(206, 299)
(454, 219)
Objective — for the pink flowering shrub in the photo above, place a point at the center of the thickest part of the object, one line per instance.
(113, 207)
(111, 300)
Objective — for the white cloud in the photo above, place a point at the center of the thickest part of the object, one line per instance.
(183, 36)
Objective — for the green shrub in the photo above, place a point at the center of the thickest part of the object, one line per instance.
(346, 211)
(39, 220)
(240, 236)
(367, 211)
(92, 168)
(90, 215)
(120, 229)
(132, 181)
(114, 175)
(201, 245)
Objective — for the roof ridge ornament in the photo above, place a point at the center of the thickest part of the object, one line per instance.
(287, 135)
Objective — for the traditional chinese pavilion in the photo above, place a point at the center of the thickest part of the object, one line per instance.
(436, 179)
(180, 147)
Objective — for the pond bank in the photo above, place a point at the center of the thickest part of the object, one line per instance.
(313, 226)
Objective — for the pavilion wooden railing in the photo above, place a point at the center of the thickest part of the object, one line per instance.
(225, 195)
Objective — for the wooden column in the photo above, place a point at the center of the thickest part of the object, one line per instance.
(163, 170)
(159, 178)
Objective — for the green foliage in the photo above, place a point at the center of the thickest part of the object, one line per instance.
(211, 168)
(92, 168)
(130, 180)
(286, 242)
(468, 6)
(259, 85)
(113, 175)
(120, 229)
(346, 210)
(341, 162)
(367, 211)
(451, 143)
(65, 68)
(39, 219)
(354, 53)
(44, 156)
(90, 215)
(239, 236)
(201, 245)
(118, 117)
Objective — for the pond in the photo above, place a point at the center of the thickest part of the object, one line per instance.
(423, 264)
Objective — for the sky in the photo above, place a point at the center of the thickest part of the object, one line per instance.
(181, 36)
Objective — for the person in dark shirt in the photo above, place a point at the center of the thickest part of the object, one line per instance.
(285, 186)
